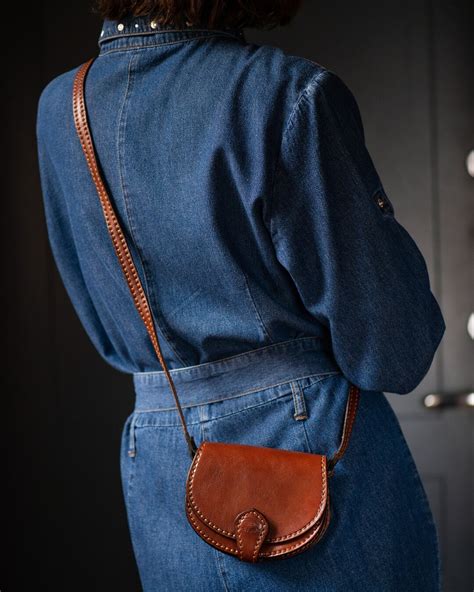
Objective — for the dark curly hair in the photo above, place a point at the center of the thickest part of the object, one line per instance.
(211, 14)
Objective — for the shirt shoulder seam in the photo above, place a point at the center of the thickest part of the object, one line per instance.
(303, 95)
(309, 87)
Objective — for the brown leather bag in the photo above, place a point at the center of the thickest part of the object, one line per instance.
(252, 502)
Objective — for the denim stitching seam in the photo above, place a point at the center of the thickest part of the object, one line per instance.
(312, 82)
(131, 437)
(202, 33)
(257, 312)
(299, 402)
(210, 419)
(123, 184)
(175, 371)
(221, 570)
(154, 45)
(319, 376)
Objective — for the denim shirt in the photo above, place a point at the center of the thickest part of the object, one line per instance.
(250, 203)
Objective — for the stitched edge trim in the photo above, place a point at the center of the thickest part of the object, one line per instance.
(277, 345)
(315, 536)
(260, 537)
(312, 522)
(205, 536)
(354, 398)
(139, 46)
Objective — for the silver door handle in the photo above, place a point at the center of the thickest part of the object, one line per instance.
(443, 400)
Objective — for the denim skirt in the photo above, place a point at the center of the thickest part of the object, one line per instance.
(289, 395)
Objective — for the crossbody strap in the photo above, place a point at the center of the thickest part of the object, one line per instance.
(131, 275)
(118, 237)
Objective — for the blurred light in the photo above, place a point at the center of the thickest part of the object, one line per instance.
(470, 163)
(432, 401)
(470, 325)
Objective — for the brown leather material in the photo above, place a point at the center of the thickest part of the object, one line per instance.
(286, 490)
(251, 529)
(267, 479)
(349, 418)
(252, 502)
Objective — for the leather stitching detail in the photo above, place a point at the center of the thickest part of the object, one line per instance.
(207, 537)
(118, 239)
(315, 535)
(354, 397)
(232, 535)
(260, 537)
(310, 540)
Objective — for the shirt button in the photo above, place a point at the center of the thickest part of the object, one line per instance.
(120, 26)
(153, 24)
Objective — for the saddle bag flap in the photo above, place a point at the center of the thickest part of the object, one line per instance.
(236, 491)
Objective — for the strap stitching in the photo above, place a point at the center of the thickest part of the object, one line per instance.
(261, 535)
(115, 231)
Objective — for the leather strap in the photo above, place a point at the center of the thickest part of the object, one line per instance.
(133, 279)
(118, 238)
(349, 418)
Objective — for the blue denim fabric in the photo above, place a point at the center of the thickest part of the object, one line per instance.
(277, 273)
(290, 395)
(241, 177)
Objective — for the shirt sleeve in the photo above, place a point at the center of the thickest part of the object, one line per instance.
(356, 269)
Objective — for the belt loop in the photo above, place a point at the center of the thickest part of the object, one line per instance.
(131, 437)
(298, 400)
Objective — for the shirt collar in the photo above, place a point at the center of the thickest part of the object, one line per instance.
(142, 31)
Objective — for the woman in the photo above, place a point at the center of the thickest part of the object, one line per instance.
(277, 275)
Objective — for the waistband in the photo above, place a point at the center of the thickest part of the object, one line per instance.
(236, 375)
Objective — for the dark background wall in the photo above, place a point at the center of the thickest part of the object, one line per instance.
(63, 518)
(62, 406)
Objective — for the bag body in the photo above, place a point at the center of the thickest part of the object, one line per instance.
(256, 502)
(381, 535)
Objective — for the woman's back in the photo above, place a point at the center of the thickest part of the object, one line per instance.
(250, 203)
(277, 274)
